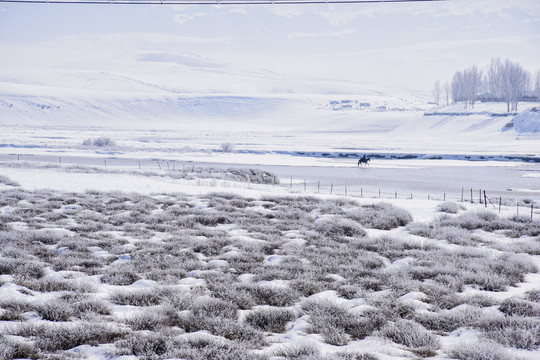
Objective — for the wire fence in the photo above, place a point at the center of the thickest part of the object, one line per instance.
(523, 208)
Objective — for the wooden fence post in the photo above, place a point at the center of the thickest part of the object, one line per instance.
(291, 182)
(480, 195)
(500, 203)
(395, 195)
(485, 199)
(379, 193)
(444, 197)
(361, 192)
(331, 188)
(532, 208)
(471, 197)
(305, 185)
(318, 187)
(159, 165)
(462, 190)
(345, 190)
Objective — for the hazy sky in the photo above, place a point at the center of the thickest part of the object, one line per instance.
(411, 45)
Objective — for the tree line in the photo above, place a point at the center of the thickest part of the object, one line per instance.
(500, 81)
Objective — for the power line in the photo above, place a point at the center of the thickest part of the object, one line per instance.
(209, 2)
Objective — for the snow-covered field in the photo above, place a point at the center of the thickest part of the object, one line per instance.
(130, 227)
(182, 268)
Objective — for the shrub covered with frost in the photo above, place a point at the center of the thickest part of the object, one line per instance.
(271, 319)
(450, 207)
(412, 335)
(479, 351)
(381, 216)
(100, 142)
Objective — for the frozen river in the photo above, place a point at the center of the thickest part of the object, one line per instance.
(518, 180)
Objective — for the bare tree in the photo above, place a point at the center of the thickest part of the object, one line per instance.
(494, 81)
(473, 83)
(505, 81)
(446, 89)
(436, 92)
(516, 81)
(537, 85)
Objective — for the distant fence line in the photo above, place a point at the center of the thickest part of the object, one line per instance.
(469, 195)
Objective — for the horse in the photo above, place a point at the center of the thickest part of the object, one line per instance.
(363, 160)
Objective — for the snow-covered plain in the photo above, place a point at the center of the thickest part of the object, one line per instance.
(256, 271)
(133, 250)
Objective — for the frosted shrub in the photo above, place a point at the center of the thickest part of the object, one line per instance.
(350, 356)
(7, 181)
(212, 308)
(65, 336)
(449, 321)
(49, 284)
(335, 336)
(91, 307)
(227, 147)
(412, 335)
(120, 277)
(441, 297)
(297, 351)
(147, 320)
(450, 207)
(338, 227)
(99, 142)
(12, 349)
(143, 297)
(274, 296)
(148, 347)
(453, 235)
(336, 324)
(13, 309)
(236, 331)
(239, 295)
(519, 307)
(533, 295)
(206, 348)
(55, 310)
(270, 319)
(382, 216)
(512, 331)
(479, 351)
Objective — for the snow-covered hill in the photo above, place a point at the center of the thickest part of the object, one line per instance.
(187, 91)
